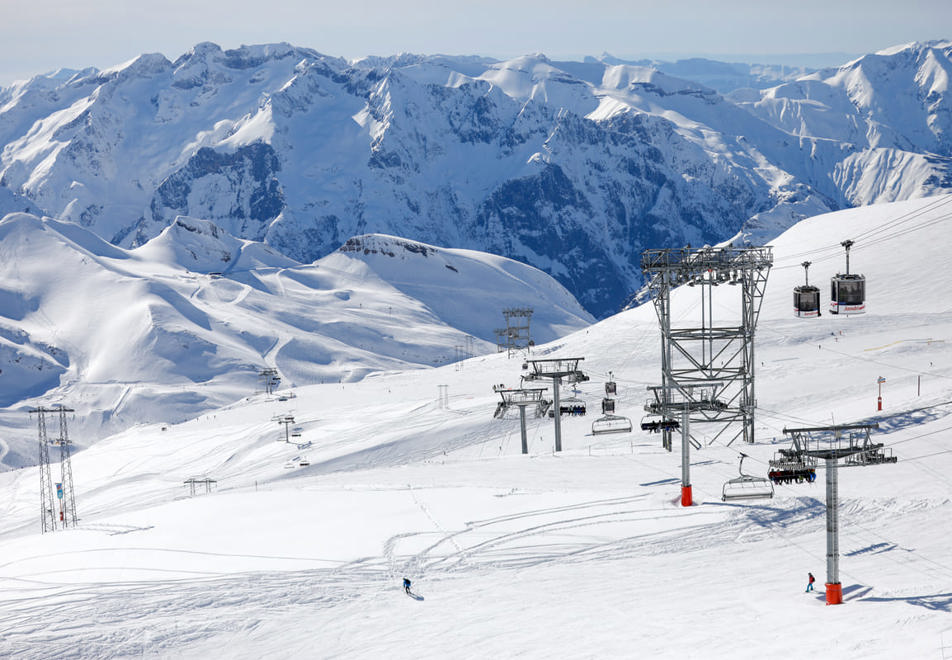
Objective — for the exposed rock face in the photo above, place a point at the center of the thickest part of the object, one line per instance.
(572, 167)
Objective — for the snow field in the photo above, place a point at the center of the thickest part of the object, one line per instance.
(584, 554)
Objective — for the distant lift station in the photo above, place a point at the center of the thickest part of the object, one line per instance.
(806, 298)
(706, 354)
(847, 290)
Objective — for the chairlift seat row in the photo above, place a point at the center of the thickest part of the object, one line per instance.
(789, 476)
(746, 486)
(657, 425)
(611, 424)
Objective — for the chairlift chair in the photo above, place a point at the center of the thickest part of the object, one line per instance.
(609, 422)
(746, 487)
(570, 406)
(806, 298)
(847, 291)
(658, 425)
(791, 466)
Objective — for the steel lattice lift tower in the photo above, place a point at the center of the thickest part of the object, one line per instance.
(64, 489)
(828, 443)
(515, 336)
(709, 354)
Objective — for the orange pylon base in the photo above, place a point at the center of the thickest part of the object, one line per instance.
(834, 594)
(686, 496)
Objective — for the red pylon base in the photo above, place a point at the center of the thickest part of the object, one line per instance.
(834, 594)
(686, 496)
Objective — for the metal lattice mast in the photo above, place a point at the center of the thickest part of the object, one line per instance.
(517, 334)
(47, 519)
(709, 353)
(68, 507)
(856, 450)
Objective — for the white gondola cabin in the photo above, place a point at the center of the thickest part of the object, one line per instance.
(848, 291)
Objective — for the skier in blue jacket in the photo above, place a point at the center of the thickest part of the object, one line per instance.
(406, 585)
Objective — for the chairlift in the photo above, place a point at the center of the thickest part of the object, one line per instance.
(790, 467)
(571, 405)
(746, 487)
(847, 291)
(609, 422)
(658, 425)
(806, 298)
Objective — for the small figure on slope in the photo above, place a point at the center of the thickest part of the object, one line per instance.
(810, 581)
(406, 585)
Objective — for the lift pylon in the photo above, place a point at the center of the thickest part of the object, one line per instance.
(709, 352)
(521, 398)
(686, 400)
(837, 446)
(555, 369)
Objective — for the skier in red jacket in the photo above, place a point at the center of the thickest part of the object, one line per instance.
(810, 581)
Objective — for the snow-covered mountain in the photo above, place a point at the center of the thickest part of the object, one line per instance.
(298, 550)
(185, 322)
(571, 167)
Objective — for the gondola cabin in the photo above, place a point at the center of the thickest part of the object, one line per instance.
(806, 298)
(848, 294)
(848, 291)
(806, 301)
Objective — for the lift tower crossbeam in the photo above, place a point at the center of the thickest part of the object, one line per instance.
(707, 354)
(855, 449)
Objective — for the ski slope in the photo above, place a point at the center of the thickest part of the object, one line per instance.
(584, 554)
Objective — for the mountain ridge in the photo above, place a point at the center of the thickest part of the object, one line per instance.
(562, 168)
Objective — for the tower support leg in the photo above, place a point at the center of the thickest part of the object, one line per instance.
(686, 499)
(522, 428)
(834, 590)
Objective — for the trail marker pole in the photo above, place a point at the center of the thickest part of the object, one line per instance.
(879, 398)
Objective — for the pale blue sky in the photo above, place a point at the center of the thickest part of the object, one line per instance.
(42, 35)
